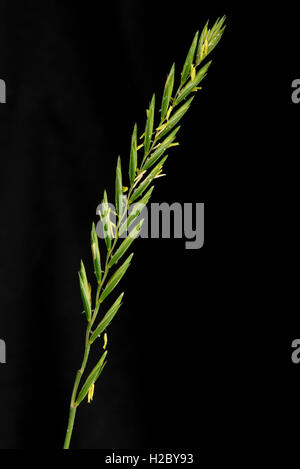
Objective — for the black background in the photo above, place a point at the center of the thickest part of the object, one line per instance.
(196, 345)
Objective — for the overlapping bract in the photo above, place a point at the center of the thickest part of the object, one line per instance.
(156, 141)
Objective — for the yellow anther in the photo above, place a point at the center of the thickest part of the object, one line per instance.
(169, 112)
(105, 340)
(91, 393)
(161, 127)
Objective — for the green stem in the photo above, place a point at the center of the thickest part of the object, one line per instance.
(70, 427)
(73, 406)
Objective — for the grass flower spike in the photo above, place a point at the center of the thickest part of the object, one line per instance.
(147, 157)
